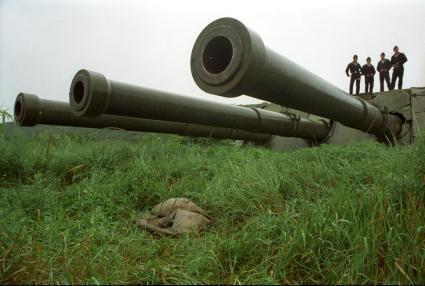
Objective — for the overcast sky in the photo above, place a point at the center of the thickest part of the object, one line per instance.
(43, 43)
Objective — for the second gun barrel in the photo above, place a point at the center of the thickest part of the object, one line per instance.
(92, 94)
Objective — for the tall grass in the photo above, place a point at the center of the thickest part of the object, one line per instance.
(4, 115)
(332, 214)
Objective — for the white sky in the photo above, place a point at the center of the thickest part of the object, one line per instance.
(43, 43)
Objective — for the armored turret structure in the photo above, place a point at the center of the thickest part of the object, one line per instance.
(408, 102)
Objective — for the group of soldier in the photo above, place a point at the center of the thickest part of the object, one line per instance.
(383, 67)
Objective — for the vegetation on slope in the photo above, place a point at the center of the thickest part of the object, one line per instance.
(332, 214)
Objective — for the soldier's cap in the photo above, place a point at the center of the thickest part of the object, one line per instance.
(368, 58)
(395, 47)
(355, 56)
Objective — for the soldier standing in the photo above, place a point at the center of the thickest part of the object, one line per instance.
(383, 67)
(397, 61)
(355, 70)
(369, 73)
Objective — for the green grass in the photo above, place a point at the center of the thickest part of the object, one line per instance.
(4, 115)
(332, 214)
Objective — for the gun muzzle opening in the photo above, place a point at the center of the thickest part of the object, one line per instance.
(217, 55)
(78, 92)
(89, 94)
(27, 109)
(221, 56)
(18, 110)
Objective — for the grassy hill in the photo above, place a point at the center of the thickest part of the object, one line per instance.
(332, 214)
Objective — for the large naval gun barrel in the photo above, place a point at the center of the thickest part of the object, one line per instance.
(30, 110)
(92, 94)
(228, 59)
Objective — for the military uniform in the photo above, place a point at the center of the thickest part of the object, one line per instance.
(369, 74)
(383, 68)
(355, 71)
(398, 69)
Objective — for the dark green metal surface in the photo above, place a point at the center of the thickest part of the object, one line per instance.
(228, 59)
(30, 110)
(91, 94)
